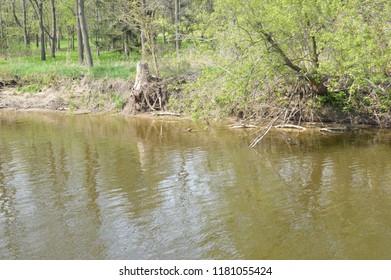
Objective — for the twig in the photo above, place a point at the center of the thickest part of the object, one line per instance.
(264, 132)
(267, 129)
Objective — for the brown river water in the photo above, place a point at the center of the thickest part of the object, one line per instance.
(108, 187)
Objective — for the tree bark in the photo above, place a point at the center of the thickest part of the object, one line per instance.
(26, 36)
(84, 32)
(97, 27)
(177, 35)
(59, 35)
(318, 86)
(53, 37)
(41, 29)
(14, 14)
(40, 39)
(143, 31)
(142, 75)
(3, 43)
(80, 47)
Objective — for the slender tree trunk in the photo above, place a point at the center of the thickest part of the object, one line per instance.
(177, 35)
(127, 48)
(97, 26)
(2, 36)
(143, 34)
(164, 36)
(80, 47)
(59, 35)
(153, 52)
(53, 37)
(41, 30)
(84, 31)
(318, 86)
(25, 31)
(14, 14)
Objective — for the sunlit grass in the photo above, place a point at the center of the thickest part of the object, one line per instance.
(66, 65)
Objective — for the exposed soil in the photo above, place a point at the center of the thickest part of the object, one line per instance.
(85, 95)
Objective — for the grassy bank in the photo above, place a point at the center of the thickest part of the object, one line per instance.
(198, 87)
(65, 65)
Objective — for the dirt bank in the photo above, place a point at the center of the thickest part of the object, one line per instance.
(68, 95)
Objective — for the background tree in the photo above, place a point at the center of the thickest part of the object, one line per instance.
(84, 32)
(38, 7)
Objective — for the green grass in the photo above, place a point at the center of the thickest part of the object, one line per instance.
(30, 70)
(65, 65)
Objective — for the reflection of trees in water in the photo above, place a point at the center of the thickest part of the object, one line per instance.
(326, 182)
(45, 221)
(8, 248)
(185, 221)
(110, 187)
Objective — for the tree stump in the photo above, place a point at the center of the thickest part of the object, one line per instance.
(142, 76)
(148, 93)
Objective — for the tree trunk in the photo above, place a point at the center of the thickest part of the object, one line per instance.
(142, 75)
(14, 14)
(153, 52)
(59, 35)
(143, 31)
(25, 32)
(53, 37)
(84, 31)
(317, 86)
(41, 30)
(177, 35)
(127, 48)
(97, 27)
(80, 47)
(3, 44)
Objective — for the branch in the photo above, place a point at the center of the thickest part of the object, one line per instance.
(34, 4)
(14, 14)
(278, 49)
(311, 77)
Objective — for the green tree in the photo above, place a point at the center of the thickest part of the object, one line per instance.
(307, 47)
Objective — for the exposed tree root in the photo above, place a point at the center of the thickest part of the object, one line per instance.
(148, 93)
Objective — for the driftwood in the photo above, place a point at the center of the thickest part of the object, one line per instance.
(334, 129)
(290, 126)
(244, 126)
(167, 114)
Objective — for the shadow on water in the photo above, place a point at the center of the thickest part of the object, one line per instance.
(106, 187)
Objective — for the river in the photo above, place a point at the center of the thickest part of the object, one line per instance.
(110, 187)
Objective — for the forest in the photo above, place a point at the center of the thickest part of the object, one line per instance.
(291, 60)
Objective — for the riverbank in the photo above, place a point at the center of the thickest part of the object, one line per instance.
(89, 95)
(86, 94)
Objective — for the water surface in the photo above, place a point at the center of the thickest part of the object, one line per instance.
(105, 187)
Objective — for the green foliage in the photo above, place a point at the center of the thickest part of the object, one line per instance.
(29, 88)
(244, 55)
(261, 51)
(118, 101)
(336, 99)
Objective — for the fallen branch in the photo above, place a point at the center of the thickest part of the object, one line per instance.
(334, 129)
(290, 126)
(244, 126)
(167, 114)
(264, 132)
(267, 129)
